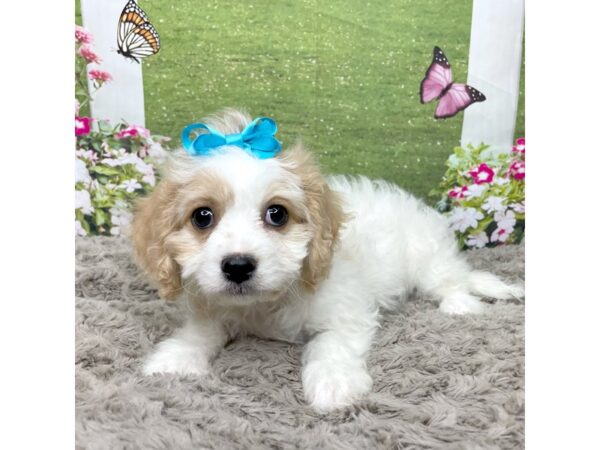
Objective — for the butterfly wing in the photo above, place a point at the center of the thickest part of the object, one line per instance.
(136, 36)
(437, 78)
(131, 17)
(142, 41)
(457, 98)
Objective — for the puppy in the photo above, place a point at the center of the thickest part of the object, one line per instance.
(270, 247)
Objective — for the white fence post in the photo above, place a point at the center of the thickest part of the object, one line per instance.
(121, 99)
(494, 69)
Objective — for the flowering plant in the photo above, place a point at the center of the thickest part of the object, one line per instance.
(85, 55)
(483, 195)
(113, 164)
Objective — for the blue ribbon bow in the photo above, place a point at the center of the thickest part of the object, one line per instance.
(257, 138)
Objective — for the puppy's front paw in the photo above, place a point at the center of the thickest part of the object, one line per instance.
(328, 386)
(171, 360)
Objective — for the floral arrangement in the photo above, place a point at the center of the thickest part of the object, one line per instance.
(483, 195)
(114, 164)
(85, 56)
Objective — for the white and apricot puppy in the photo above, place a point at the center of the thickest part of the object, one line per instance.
(270, 247)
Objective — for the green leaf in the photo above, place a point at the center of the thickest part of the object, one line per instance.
(460, 152)
(100, 217)
(105, 170)
(86, 226)
(104, 127)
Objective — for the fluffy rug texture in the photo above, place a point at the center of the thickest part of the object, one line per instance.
(439, 382)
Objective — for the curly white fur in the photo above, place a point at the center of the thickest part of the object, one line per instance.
(388, 244)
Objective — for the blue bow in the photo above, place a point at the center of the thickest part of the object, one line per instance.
(257, 138)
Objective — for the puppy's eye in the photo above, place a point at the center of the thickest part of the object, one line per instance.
(276, 216)
(202, 217)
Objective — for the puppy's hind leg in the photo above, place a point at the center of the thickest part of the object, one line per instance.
(461, 303)
(489, 285)
(459, 287)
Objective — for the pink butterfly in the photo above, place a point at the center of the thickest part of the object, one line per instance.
(454, 97)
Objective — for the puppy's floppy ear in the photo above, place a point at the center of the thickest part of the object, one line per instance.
(325, 214)
(152, 223)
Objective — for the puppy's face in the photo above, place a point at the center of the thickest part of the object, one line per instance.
(244, 229)
(234, 230)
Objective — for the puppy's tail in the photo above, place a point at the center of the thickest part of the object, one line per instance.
(486, 284)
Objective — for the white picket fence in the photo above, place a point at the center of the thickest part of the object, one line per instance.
(123, 97)
(494, 69)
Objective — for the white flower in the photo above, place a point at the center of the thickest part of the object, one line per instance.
(120, 217)
(145, 169)
(115, 162)
(493, 204)
(463, 218)
(506, 220)
(81, 172)
(157, 152)
(131, 185)
(518, 207)
(142, 167)
(475, 190)
(500, 234)
(149, 178)
(131, 158)
(90, 155)
(83, 202)
(500, 181)
(120, 220)
(478, 241)
(79, 230)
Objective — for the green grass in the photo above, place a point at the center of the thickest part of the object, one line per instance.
(342, 75)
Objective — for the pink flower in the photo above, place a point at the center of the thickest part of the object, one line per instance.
(500, 235)
(132, 131)
(517, 170)
(100, 75)
(457, 192)
(88, 54)
(483, 174)
(82, 125)
(82, 36)
(520, 147)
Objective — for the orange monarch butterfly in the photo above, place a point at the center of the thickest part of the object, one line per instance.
(136, 36)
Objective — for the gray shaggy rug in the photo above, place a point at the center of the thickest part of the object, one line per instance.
(439, 382)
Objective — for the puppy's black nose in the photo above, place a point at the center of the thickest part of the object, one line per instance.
(238, 268)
